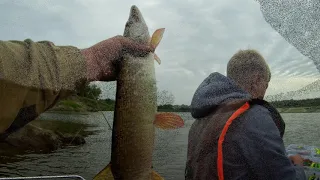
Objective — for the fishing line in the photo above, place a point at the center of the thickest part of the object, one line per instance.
(110, 128)
(75, 136)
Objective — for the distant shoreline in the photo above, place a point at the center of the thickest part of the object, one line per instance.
(83, 105)
(299, 110)
(281, 110)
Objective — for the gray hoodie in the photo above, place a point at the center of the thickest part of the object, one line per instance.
(253, 147)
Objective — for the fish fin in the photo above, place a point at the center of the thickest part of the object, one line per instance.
(156, 176)
(168, 120)
(157, 58)
(105, 174)
(156, 37)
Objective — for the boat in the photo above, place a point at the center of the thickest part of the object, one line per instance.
(45, 177)
(311, 154)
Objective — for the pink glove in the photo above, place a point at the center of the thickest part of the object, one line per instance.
(103, 57)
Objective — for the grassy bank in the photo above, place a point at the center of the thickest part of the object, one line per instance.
(172, 110)
(314, 109)
(64, 127)
(82, 104)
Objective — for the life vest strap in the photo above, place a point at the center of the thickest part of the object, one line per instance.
(236, 114)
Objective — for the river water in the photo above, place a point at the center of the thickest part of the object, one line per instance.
(169, 155)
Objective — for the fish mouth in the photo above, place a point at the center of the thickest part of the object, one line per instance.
(136, 22)
(135, 14)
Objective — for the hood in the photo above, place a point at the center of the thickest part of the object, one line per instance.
(213, 91)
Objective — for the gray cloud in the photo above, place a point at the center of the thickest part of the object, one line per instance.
(200, 36)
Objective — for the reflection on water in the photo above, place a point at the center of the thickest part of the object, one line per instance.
(169, 155)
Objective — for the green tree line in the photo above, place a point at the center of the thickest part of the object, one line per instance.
(165, 100)
(90, 95)
(296, 103)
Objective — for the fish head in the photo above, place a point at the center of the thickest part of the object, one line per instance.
(136, 27)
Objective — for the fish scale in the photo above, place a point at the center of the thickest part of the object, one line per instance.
(135, 115)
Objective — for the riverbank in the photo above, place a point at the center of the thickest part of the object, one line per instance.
(79, 104)
(314, 109)
(82, 104)
(44, 136)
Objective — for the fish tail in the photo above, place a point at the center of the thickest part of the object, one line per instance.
(106, 174)
(156, 176)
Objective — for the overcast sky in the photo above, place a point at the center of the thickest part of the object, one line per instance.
(200, 37)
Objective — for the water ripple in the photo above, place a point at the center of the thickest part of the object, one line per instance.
(168, 158)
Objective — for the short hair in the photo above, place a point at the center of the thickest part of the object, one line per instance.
(245, 64)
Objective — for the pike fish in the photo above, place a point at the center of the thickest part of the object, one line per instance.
(135, 115)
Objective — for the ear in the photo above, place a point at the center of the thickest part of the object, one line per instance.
(255, 85)
(255, 80)
(259, 79)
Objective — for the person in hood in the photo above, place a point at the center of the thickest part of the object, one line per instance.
(35, 75)
(236, 134)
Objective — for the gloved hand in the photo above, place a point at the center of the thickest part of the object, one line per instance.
(296, 159)
(103, 57)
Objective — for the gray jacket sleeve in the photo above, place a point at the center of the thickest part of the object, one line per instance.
(264, 150)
